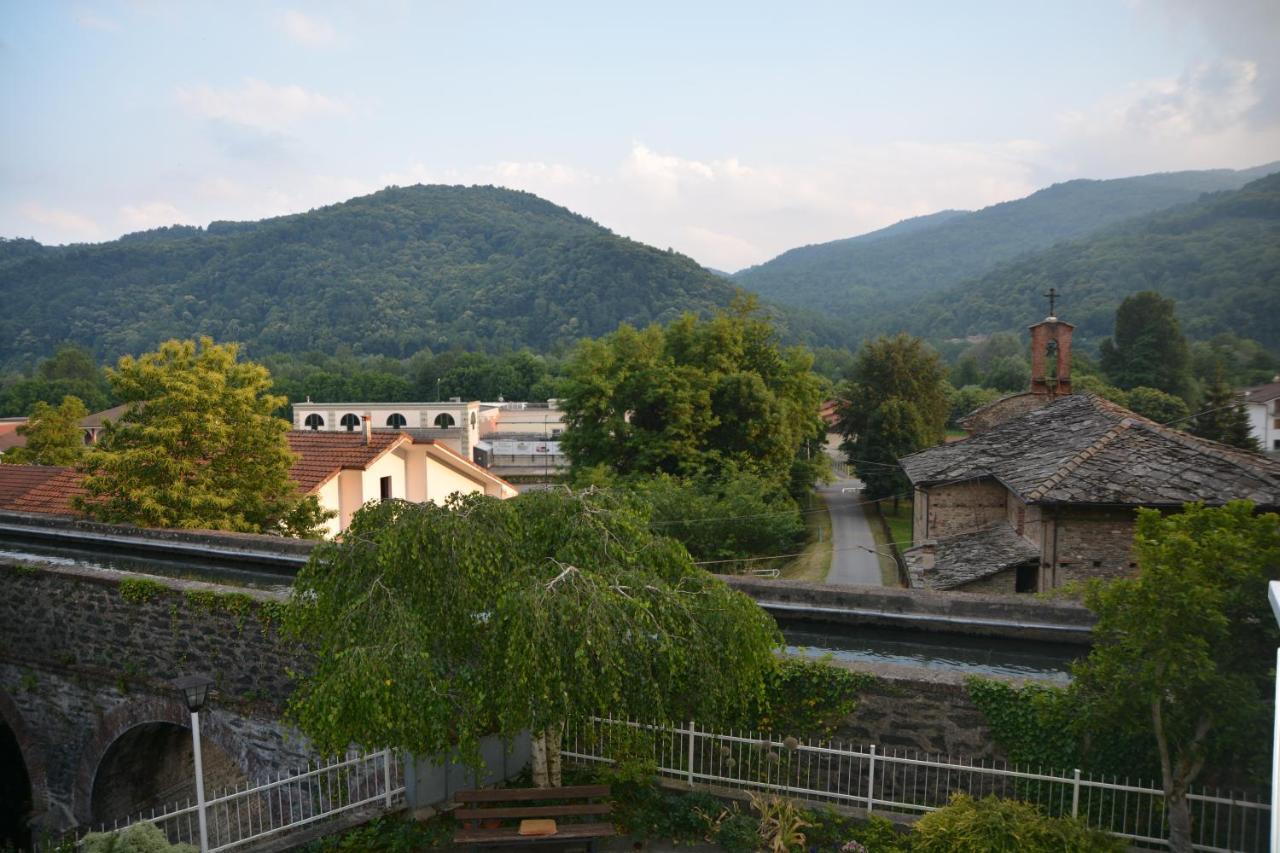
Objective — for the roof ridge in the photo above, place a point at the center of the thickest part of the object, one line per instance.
(1079, 459)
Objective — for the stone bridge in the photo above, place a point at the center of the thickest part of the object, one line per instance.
(90, 728)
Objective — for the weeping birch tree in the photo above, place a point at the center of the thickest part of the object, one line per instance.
(433, 626)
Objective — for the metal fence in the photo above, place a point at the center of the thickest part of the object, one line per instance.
(240, 815)
(905, 781)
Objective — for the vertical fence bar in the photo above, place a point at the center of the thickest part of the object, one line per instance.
(692, 731)
(1075, 793)
(871, 779)
(386, 776)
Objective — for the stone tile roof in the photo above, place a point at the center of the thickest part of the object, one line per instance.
(97, 418)
(323, 454)
(1082, 449)
(968, 557)
(39, 488)
(1262, 393)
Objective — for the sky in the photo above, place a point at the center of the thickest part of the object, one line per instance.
(728, 131)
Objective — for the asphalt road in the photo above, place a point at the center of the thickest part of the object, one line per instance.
(853, 554)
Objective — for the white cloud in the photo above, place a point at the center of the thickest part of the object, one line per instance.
(152, 214)
(258, 104)
(61, 225)
(1208, 98)
(91, 21)
(306, 29)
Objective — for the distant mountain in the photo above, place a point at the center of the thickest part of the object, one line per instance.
(861, 277)
(1219, 257)
(389, 273)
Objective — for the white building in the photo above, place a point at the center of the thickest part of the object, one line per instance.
(1263, 405)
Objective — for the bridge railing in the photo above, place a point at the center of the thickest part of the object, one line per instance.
(238, 816)
(882, 780)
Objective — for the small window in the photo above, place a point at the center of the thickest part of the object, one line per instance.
(384, 489)
(313, 422)
(350, 421)
(473, 420)
(396, 420)
(444, 420)
(1027, 578)
(1275, 444)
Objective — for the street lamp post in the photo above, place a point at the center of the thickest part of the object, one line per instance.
(1273, 593)
(195, 690)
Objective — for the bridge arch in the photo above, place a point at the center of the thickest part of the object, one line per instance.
(24, 785)
(140, 756)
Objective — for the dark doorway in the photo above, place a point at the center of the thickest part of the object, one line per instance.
(15, 793)
(1028, 579)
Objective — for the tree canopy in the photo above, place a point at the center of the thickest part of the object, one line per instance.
(433, 626)
(1148, 348)
(1222, 417)
(197, 447)
(54, 435)
(690, 398)
(1184, 652)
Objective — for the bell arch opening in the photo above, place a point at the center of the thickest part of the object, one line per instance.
(152, 765)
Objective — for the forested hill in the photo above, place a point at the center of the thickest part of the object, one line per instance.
(388, 273)
(1219, 257)
(862, 276)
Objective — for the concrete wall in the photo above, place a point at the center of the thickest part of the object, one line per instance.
(388, 465)
(81, 666)
(443, 481)
(963, 507)
(329, 496)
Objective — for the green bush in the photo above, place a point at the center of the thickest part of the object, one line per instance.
(993, 825)
(388, 835)
(138, 838)
(739, 833)
(830, 830)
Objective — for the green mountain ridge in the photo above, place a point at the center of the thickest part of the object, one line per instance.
(388, 273)
(1218, 257)
(862, 277)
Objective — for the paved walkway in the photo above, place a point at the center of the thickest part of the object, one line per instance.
(853, 549)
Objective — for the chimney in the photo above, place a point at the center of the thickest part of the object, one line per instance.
(368, 428)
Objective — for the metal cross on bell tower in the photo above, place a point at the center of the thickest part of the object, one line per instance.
(1053, 299)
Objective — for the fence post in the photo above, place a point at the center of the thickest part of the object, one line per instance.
(871, 780)
(692, 731)
(386, 776)
(1075, 794)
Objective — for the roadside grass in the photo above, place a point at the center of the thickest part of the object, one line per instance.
(899, 525)
(815, 561)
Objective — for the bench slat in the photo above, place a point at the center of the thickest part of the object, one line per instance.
(532, 811)
(511, 795)
(570, 831)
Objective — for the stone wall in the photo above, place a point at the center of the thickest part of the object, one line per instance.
(1093, 543)
(87, 655)
(963, 508)
(1001, 583)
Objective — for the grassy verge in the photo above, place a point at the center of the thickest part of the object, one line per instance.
(815, 561)
(899, 532)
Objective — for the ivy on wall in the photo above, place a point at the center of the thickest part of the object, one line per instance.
(809, 698)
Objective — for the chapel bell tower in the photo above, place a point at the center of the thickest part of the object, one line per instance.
(1051, 353)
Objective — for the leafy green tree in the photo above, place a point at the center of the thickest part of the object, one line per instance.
(1008, 373)
(433, 626)
(690, 398)
(1148, 348)
(965, 400)
(71, 371)
(895, 402)
(198, 447)
(1223, 417)
(1158, 406)
(1184, 651)
(54, 436)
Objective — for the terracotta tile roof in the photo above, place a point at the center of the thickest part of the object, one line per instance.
(323, 454)
(39, 488)
(1082, 449)
(9, 437)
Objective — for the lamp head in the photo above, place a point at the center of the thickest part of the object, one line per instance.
(195, 690)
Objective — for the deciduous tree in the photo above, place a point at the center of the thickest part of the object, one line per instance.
(198, 447)
(1184, 651)
(54, 435)
(433, 626)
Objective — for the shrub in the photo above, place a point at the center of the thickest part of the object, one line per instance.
(138, 838)
(739, 833)
(993, 825)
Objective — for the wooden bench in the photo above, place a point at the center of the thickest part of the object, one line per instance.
(512, 805)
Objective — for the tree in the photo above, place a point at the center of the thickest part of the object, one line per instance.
(1222, 416)
(433, 626)
(1158, 406)
(894, 402)
(197, 447)
(54, 435)
(1184, 650)
(1148, 347)
(690, 398)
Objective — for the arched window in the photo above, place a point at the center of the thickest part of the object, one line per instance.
(395, 420)
(444, 420)
(313, 421)
(350, 421)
